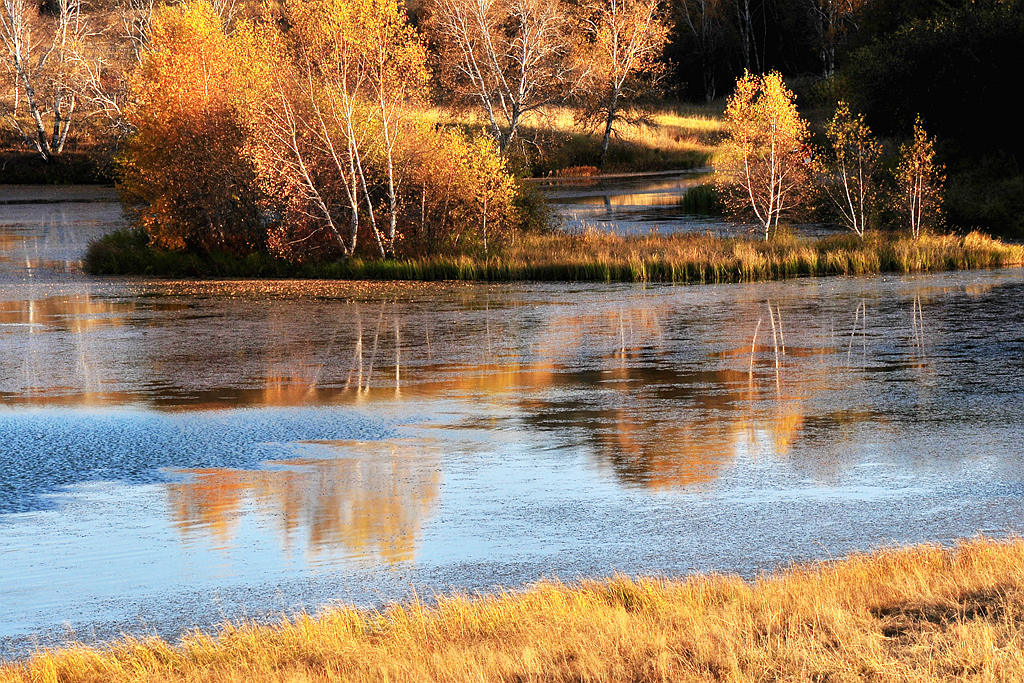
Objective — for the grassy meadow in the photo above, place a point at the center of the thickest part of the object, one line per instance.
(592, 257)
(650, 138)
(923, 613)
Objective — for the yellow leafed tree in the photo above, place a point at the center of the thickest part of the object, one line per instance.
(328, 136)
(919, 180)
(628, 39)
(466, 195)
(507, 57)
(184, 167)
(762, 169)
(849, 172)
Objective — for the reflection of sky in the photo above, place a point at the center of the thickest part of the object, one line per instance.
(157, 470)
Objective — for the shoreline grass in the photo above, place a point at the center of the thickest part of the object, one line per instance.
(592, 257)
(925, 613)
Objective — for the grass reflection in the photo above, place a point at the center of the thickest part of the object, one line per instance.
(76, 313)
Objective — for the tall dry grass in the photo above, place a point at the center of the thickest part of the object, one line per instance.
(923, 613)
(595, 256)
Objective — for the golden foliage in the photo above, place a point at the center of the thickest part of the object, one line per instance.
(923, 613)
(848, 176)
(306, 142)
(919, 181)
(485, 191)
(184, 165)
(762, 166)
(628, 38)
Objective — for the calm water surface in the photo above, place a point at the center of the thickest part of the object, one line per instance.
(640, 204)
(173, 454)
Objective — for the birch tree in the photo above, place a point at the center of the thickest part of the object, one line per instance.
(919, 181)
(186, 175)
(629, 37)
(508, 57)
(38, 61)
(762, 169)
(114, 52)
(396, 63)
(335, 130)
(849, 173)
(312, 132)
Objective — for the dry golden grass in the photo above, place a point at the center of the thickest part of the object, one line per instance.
(708, 258)
(596, 256)
(656, 128)
(659, 138)
(923, 613)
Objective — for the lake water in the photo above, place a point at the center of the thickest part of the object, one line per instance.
(173, 454)
(635, 204)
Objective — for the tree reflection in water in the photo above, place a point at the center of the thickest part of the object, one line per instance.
(368, 502)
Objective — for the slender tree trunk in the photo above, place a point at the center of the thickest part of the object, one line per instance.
(708, 67)
(485, 226)
(609, 125)
(42, 144)
(392, 208)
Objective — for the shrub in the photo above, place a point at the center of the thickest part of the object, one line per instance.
(184, 170)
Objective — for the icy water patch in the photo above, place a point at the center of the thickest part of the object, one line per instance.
(46, 450)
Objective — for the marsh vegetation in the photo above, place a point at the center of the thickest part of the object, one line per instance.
(925, 612)
(592, 256)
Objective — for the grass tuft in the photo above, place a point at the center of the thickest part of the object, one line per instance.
(922, 613)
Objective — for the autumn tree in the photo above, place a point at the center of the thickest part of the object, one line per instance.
(184, 168)
(919, 180)
(116, 47)
(306, 143)
(489, 189)
(466, 196)
(509, 57)
(396, 63)
(38, 62)
(329, 138)
(762, 167)
(310, 129)
(628, 39)
(849, 173)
